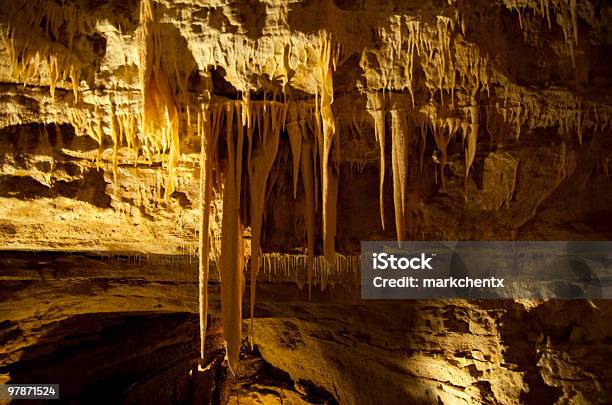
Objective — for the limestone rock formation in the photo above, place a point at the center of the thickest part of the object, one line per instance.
(275, 135)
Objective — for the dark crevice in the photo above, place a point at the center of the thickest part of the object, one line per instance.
(91, 188)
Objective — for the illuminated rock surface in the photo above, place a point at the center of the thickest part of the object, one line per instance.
(324, 123)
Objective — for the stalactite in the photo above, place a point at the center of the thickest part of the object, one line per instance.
(308, 184)
(308, 165)
(414, 39)
(74, 78)
(377, 110)
(115, 136)
(207, 142)
(421, 121)
(470, 150)
(42, 33)
(262, 153)
(53, 74)
(443, 130)
(160, 84)
(295, 139)
(444, 37)
(231, 260)
(314, 126)
(174, 153)
(399, 163)
(344, 270)
(129, 130)
(329, 175)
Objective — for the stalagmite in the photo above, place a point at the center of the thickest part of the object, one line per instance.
(399, 163)
(377, 111)
(263, 153)
(231, 260)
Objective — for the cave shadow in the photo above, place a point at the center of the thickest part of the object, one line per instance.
(102, 354)
(515, 335)
(91, 188)
(43, 140)
(550, 328)
(100, 357)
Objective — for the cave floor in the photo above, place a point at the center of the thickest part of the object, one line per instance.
(124, 330)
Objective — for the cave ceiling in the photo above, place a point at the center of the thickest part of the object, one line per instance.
(485, 116)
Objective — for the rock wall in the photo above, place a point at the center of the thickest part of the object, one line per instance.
(502, 105)
(131, 327)
(310, 125)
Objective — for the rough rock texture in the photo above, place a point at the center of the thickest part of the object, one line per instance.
(85, 322)
(79, 171)
(426, 120)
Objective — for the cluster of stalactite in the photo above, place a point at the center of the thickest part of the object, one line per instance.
(46, 38)
(564, 12)
(445, 63)
(247, 131)
(410, 126)
(250, 131)
(258, 124)
(163, 85)
(436, 52)
(290, 267)
(251, 138)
